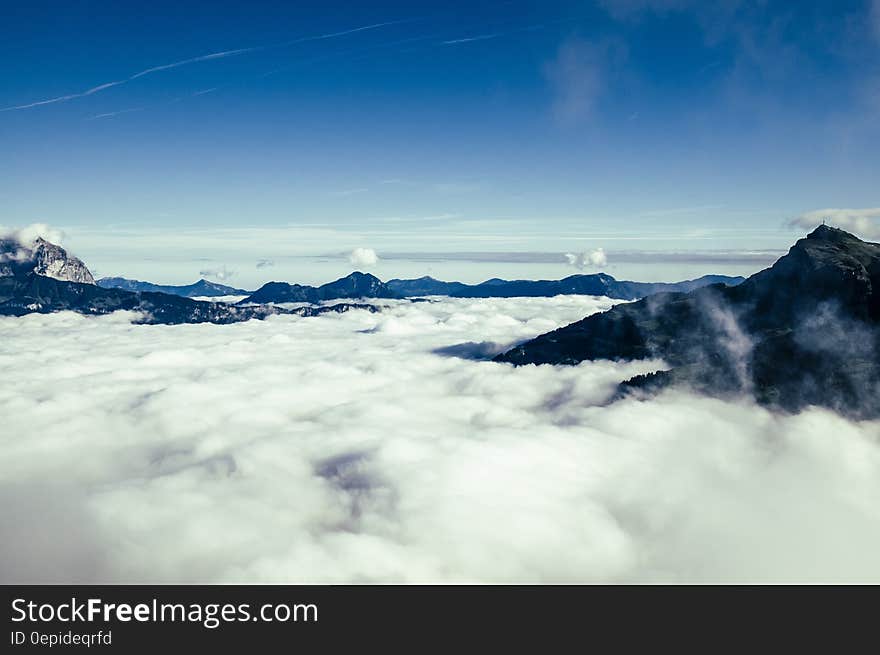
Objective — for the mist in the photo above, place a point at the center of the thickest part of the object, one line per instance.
(385, 447)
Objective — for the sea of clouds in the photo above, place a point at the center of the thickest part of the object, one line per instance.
(379, 447)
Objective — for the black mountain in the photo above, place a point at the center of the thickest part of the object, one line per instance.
(804, 332)
(356, 285)
(363, 285)
(596, 284)
(29, 293)
(202, 288)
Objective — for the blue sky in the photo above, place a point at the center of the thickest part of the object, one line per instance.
(293, 132)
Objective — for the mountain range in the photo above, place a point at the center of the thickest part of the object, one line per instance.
(41, 277)
(356, 285)
(365, 285)
(201, 289)
(805, 331)
(597, 284)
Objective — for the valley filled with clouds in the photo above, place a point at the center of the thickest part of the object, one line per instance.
(384, 447)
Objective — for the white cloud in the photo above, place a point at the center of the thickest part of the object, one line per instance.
(861, 222)
(29, 234)
(332, 449)
(219, 273)
(363, 257)
(590, 259)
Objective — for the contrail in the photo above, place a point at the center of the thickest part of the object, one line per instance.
(71, 96)
(208, 57)
(193, 60)
(468, 39)
(495, 35)
(110, 114)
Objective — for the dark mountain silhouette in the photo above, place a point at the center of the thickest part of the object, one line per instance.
(597, 284)
(425, 286)
(804, 332)
(356, 285)
(201, 289)
(30, 293)
(361, 285)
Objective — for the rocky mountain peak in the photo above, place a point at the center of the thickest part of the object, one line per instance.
(42, 258)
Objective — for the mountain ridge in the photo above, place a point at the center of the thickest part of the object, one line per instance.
(354, 285)
(805, 331)
(201, 288)
(365, 285)
(30, 293)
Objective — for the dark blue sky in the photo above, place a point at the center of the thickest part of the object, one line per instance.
(652, 124)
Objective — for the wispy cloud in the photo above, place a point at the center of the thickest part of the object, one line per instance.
(578, 76)
(194, 60)
(495, 35)
(70, 96)
(219, 273)
(208, 57)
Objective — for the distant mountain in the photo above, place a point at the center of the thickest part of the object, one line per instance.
(202, 288)
(804, 332)
(597, 284)
(29, 293)
(356, 285)
(426, 286)
(41, 258)
(361, 285)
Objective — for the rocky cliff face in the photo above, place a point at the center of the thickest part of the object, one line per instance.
(42, 258)
(804, 332)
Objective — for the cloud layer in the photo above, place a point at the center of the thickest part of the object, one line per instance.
(371, 447)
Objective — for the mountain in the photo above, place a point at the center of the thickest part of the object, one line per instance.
(356, 285)
(598, 284)
(42, 258)
(361, 285)
(805, 331)
(425, 286)
(202, 288)
(29, 293)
